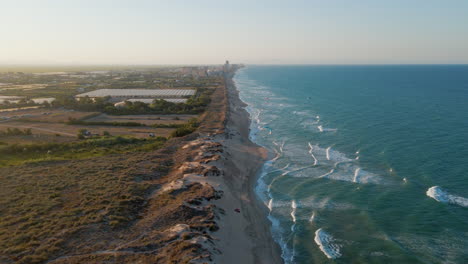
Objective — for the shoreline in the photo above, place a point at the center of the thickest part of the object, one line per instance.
(243, 164)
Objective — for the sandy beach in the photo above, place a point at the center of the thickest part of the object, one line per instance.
(244, 237)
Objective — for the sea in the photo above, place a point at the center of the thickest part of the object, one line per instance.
(369, 164)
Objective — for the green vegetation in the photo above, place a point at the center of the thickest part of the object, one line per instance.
(16, 132)
(73, 121)
(21, 103)
(186, 129)
(93, 147)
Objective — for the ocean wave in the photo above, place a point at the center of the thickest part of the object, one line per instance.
(301, 113)
(286, 253)
(307, 203)
(328, 153)
(356, 174)
(270, 204)
(442, 196)
(326, 244)
(293, 211)
(312, 217)
(295, 170)
(324, 129)
(312, 154)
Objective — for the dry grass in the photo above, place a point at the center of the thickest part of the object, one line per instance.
(45, 204)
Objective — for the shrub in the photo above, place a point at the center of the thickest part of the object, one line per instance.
(16, 132)
(183, 131)
(186, 129)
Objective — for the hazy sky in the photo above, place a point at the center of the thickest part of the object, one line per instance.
(254, 31)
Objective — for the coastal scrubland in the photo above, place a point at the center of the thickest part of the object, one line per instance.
(78, 178)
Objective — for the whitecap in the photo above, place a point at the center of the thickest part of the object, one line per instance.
(270, 204)
(293, 212)
(312, 154)
(356, 174)
(442, 196)
(312, 217)
(326, 244)
(328, 153)
(324, 129)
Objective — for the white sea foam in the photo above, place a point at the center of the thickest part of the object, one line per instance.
(352, 174)
(295, 170)
(338, 156)
(270, 204)
(262, 189)
(312, 217)
(280, 169)
(326, 174)
(328, 163)
(286, 253)
(442, 196)
(293, 211)
(312, 154)
(328, 153)
(284, 207)
(356, 175)
(326, 244)
(324, 129)
(301, 113)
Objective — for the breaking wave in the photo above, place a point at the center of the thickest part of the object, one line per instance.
(442, 196)
(326, 244)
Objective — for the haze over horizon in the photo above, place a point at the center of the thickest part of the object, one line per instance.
(208, 32)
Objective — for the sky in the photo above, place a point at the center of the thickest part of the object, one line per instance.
(252, 32)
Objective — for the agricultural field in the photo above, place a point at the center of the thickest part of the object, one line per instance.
(64, 129)
(46, 115)
(29, 124)
(142, 119)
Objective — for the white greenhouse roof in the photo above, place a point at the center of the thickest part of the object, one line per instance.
(150, 100)
(138, 93)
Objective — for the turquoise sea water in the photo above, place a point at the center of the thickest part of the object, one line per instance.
(370, 162)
